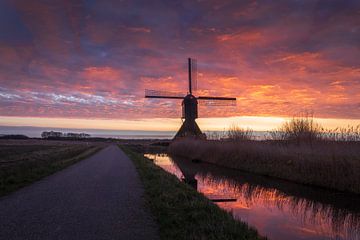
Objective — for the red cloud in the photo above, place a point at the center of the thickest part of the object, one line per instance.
(85, 60)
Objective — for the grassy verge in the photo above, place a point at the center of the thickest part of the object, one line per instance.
(20, 165)
(182, 212)
(333, 164)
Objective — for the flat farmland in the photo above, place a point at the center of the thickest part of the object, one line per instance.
(25, 161)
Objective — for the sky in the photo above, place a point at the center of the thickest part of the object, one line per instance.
(89, 62)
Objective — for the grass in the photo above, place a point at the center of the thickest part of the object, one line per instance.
(329, 164)
(23, 162)
(300, 150)
(180, 211)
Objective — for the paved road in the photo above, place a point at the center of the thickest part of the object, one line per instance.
(97, 198)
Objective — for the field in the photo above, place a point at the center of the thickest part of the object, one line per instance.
(25, 161)
(329, 164)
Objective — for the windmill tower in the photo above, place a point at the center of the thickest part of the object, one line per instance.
(190, 103)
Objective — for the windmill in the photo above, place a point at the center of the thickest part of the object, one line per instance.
(189, 103)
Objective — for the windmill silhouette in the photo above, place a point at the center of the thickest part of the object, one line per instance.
(190, 103)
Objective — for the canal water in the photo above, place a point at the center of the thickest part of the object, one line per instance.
(277, 209)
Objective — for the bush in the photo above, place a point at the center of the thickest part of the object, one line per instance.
(299, 129)
(236, 133)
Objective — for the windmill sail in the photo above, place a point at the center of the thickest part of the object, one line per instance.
(217, 101)
(189, 72)
(209, 102)
(190, 103)
(149, 93)
(217, 98)
(194, 74)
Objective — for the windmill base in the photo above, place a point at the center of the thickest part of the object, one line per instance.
(189, 129)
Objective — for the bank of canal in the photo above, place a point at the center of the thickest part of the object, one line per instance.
(277, 209)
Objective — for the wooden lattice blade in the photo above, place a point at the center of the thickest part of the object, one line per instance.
(217, 101)
(194, 75)
(162, 94)
(217, 98)
(212, 102)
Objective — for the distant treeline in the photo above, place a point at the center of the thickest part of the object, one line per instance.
(58, 135)
(13, 136)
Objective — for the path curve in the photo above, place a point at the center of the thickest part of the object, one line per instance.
(98, 198)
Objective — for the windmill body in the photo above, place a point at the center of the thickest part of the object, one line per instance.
(189, 113)
(189, 105)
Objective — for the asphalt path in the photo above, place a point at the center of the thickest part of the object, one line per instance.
(98, 198)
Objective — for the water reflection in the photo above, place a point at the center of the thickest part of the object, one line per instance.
(277, 209)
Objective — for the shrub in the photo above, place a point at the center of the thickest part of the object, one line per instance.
(236, 133)
(301, 129)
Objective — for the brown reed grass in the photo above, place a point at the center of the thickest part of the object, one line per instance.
(300, 150)
(333, 165)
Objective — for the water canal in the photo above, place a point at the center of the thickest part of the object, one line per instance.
(277, 209)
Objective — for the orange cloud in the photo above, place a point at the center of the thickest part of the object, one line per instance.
(94, 59)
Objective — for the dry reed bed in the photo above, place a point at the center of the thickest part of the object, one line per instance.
(329, 164)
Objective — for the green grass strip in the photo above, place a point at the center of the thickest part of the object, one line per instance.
(27, 173)
(180, 211)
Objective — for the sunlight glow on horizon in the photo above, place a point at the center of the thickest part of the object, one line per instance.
(166, 124)
(88, 61)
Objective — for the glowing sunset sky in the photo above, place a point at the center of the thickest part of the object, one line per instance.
(93, 59)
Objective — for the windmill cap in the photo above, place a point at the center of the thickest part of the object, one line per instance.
(189, 98)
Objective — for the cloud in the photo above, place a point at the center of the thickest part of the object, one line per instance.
(94, 59)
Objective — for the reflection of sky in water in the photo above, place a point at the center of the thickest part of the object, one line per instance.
(164, 162)
(272, 212)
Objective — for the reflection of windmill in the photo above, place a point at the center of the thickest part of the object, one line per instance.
(189, 104)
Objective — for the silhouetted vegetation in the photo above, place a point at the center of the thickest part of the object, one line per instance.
(14, 136)
(236, 133)
(299, 130)
(300, 150)
(344, 134)
(305, 130)
(182, 212)
(60, 135)
(328, 164)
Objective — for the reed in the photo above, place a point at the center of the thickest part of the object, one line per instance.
(343, 134)
(300, 151)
